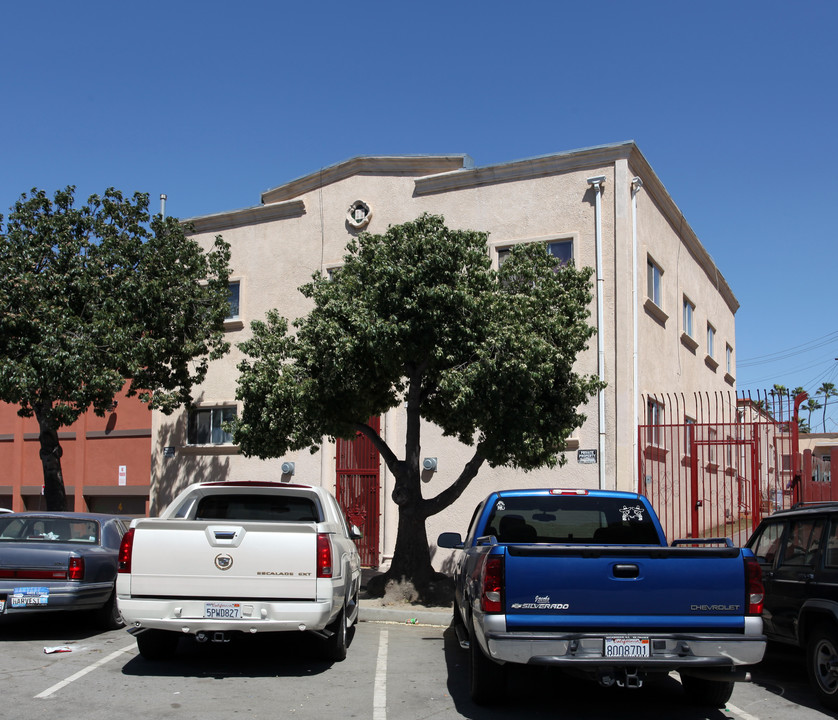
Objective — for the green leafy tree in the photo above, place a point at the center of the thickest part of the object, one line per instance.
(416, 318)
(96, 295)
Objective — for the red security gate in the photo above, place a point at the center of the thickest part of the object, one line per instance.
(357, 490)
(723, 464)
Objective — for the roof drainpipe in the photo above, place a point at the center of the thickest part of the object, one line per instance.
(597, 184)
(636, 184)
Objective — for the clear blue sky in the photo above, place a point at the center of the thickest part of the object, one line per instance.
(733, 104)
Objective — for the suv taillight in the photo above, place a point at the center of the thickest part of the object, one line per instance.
(755, 589)
(491, 582)
(125, 549)
(324, 556)
(75, 570)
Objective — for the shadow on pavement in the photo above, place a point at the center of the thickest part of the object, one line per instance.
(250, 656)
(55, 627)
(537, 692)
(783, 672)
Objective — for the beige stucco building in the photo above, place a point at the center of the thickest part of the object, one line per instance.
(664, 312)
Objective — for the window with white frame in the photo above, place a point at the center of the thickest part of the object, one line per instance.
(206, 425)
(712, 437)
(233, 296)
(689, 432)
(728, 359)
(689, 311)
(711, 339)
(654, 418)
(654, 275)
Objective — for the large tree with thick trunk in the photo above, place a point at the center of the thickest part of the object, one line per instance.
(417, 318)
(97, 295)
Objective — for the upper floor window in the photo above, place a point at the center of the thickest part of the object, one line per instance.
(233, 297)
(711, 338)
(560, 249)
(728, 359)
(206, 426)
(689, 311)
(654, 276)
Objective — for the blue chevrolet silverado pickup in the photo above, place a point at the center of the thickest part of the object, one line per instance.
(584, 580)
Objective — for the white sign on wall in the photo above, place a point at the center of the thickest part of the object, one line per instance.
(123, 475)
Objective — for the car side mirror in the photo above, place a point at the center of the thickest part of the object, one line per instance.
(450, 540)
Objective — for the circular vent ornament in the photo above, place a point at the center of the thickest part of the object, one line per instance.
(359, 214)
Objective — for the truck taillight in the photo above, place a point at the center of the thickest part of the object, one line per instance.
(75, 570)
(324, 556)
(491, 597)
(125, 549)
(755, 589)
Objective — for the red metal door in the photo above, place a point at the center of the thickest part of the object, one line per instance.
(358, 488)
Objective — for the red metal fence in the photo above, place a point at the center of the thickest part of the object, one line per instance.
(714, 464)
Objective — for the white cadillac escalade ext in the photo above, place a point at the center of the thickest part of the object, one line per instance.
(246, 557)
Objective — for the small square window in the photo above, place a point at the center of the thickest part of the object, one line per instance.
(206, 426)
(561, 249)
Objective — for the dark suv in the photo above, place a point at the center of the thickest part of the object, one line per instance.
(798, 552)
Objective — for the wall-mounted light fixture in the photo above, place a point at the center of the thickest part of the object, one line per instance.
(288, 468)
(429, 464)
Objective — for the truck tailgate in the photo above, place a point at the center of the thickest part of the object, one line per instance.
(632, 587)
(237, 560)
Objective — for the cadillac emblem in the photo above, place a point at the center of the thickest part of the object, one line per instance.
(223, 561)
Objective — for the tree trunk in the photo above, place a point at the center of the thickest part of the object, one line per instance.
(54, 493)
(412, 556)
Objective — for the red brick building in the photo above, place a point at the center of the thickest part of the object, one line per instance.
(106, 461)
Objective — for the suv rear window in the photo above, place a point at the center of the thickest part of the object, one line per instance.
(269, 508)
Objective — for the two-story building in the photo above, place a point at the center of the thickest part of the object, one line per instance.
(663, 311)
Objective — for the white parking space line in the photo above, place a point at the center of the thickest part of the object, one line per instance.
(741, 714)
(379, 697)
(81, 673)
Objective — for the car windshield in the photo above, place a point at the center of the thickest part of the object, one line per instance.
(35, 528)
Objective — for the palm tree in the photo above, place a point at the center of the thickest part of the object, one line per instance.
(828, 391)
(812, 405)
(779, 391)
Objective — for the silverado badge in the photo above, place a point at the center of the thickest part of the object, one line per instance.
(223, 561)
